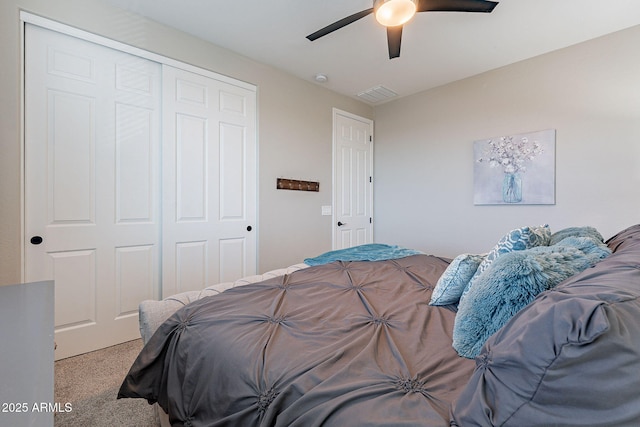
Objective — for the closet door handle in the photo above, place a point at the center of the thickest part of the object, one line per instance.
(249, 228)
(340, 223)
(36, 240)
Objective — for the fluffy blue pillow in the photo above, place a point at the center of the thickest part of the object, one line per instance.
(515, 240)
(513, 281)
(455, 278)
(575, 232)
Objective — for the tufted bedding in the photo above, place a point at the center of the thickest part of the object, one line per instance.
(364, 343)
(325, 345)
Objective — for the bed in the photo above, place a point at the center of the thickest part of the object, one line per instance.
(543, 329)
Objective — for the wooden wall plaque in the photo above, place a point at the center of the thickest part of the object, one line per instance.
(296, 184)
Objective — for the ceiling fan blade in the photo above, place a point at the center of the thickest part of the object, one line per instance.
(339, 24)
(394, 39)
(456, 6)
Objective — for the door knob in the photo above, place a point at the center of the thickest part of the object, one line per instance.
(340, 223)
(249, 228)
(36, 240)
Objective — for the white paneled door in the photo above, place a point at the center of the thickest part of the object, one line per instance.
(209, 181)
(139, 183)
(353, 180)
(91, 185)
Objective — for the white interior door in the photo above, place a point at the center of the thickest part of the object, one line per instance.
(92, 223)
(209, 181)
(353, 180)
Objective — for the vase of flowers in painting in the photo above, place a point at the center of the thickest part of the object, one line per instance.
(512, 188)
(512, 156)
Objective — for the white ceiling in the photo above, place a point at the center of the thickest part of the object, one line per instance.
(437, 48)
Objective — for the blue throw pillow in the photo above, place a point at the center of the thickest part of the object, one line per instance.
(455, 278)
(512, 282)
(515, 240)
(575, 232)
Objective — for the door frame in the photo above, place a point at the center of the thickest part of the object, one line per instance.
(334, 171)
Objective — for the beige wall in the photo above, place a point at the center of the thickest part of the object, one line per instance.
(589, 93)
(294, 128)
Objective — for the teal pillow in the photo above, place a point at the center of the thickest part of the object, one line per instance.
(512, 282)
(515, 240)
(575, 232)
(455, 278)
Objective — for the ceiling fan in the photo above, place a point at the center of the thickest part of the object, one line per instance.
(393, 14)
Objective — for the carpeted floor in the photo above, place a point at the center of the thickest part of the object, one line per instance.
(90, 383)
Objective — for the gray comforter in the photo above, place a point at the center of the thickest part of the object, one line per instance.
(341, 344)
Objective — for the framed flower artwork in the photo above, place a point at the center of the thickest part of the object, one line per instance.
(515, 169)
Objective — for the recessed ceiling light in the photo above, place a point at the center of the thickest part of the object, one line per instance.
(321, 78)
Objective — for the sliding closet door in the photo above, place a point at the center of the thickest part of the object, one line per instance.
(209, 181)
(92, 206)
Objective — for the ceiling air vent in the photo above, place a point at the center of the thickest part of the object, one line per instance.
(377, 94)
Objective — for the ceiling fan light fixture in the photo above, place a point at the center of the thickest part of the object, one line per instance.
(392, 13)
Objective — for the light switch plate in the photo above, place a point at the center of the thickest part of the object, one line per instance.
(326, 210)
